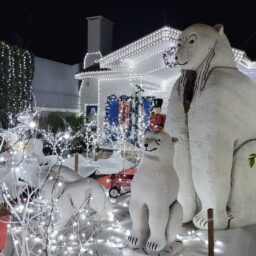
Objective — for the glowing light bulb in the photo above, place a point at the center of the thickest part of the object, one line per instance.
(66, 136)
(61, 237)
(82, 249)
(72, 237)
(32, 125)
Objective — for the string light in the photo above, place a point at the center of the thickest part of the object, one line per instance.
(17, 70)
(163, 34)
(166, 38)
(91, 56)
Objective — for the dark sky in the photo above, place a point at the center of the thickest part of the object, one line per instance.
(57, 29)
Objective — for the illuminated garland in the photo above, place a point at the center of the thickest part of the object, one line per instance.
(16, 74)
(170, 53)
(138, 102)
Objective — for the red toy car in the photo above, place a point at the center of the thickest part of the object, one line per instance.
(115, 182)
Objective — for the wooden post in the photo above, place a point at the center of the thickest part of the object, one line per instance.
(76, 163)
(210, 233)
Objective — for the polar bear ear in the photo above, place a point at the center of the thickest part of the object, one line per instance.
(219, 28)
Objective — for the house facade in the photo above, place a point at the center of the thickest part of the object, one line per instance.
(139, 63)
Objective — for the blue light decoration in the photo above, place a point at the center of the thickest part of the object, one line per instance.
(121, 110)
(111, 114)
(113, 110)
(148, 108)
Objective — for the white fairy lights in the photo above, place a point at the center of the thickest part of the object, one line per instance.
(201, 238)
(129, 64)
(117, 59)
(17, 69)
(90, 57)
(34, 217)
(238, 54)
(163, 34)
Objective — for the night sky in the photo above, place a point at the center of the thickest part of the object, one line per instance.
(57, 30)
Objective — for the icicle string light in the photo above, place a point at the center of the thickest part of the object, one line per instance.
(17, 71)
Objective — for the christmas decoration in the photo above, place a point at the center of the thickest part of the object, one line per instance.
(17, 71)
(169, 57)
(75, 196)
(157, 185)
(207, 140)
(161, 35)
(157, 120)
(35, 211)
(130, 113)
(116, 182)
(48, 215)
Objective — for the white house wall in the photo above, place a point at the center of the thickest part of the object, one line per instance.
(250, 73)
(150, 64)
(54, 85)
(88, 92)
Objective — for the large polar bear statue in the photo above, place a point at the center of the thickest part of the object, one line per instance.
(212, 114)
(153, 206)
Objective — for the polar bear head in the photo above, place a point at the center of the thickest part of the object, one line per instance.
(199, 43)
(157, 144)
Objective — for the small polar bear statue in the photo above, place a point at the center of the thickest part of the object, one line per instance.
(155, 212)
(72, 196)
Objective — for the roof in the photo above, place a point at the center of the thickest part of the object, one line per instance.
(99, 17)
(95, 67)
(160, 40)
(164, 34)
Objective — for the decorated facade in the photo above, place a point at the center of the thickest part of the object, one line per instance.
(145, 62)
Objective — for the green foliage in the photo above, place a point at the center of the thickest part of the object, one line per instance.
(76, 122)
(16, 74)
(59, 121)
(251, 159)
(53, 121)
(139, 89)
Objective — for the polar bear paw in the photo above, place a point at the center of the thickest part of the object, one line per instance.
(155, 245)
(134, 242)
(221, 220)
(238, 220)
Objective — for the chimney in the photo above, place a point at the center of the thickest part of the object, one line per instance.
(100, 33)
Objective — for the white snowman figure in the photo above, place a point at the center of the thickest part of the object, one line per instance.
(153, 206)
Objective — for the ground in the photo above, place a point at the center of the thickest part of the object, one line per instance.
(112, 238)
